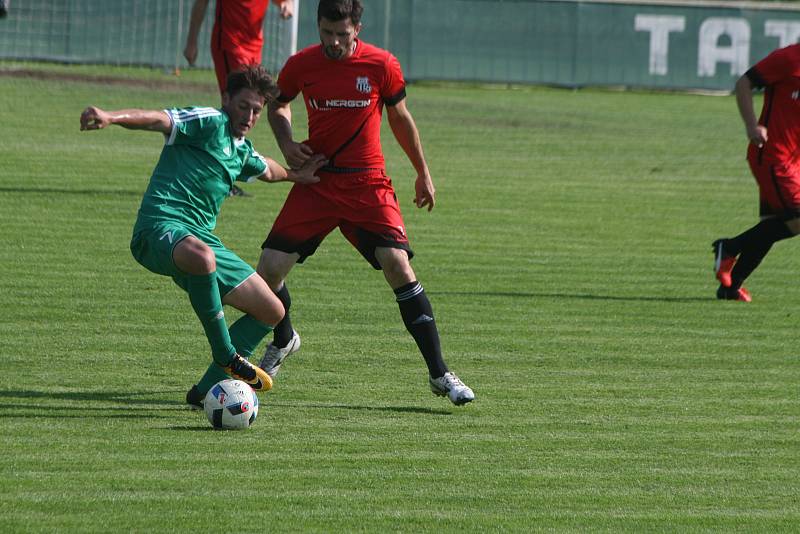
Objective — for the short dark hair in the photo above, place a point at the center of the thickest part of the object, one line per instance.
(253, 77)
(336, 10)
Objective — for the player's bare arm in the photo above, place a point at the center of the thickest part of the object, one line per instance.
(195, 22)
(279, 115)
(756, 133)
(303, 175)
(94, 118)
(405, 131)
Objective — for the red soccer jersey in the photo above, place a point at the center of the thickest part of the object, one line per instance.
(779, 72)
(344, 99)
(238, 25)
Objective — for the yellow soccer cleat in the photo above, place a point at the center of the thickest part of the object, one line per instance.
(241, 369)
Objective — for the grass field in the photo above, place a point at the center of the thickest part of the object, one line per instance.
(568, 262)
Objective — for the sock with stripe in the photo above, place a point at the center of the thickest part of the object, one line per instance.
(417, 314)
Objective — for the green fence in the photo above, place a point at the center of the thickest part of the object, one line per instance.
(701, 45)
(118, 32)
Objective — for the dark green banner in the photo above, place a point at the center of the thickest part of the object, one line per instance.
(700, 45)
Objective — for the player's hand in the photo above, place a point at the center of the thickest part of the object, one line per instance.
(305, 174)
(287, 9)
(425, 192)
(758, 135)
(94, 118)
(296, 154)
(190, 53)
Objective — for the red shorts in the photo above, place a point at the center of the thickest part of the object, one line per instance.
(227, 61)
(364, 208)
(778, 189)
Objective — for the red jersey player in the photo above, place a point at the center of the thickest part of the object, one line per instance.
(237, 37)
(774, 158)
(346, 83)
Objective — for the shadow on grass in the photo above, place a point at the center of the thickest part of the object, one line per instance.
(585, 296)
(140, 408)
(397, 409)
(113, 405)
(127, 397)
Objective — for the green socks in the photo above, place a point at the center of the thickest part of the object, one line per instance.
(246, 334)
(207, 304)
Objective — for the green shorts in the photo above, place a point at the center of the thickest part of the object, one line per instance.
(152, 247)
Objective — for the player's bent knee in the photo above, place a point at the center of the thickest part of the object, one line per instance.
(194, 257)
(273, 266)
(273, 316)
(253, 297)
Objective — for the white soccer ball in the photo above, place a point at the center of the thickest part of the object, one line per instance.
(231, 405)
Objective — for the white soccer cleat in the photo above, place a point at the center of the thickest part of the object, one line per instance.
(452, 387)
(274, 356)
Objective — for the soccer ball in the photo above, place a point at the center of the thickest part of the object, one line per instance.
(231, 405)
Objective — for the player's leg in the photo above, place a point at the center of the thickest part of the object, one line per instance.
(195, 258)
(752, 247)
(262, 310)
(302, 224)
(779, 198)
(242, 288)
(377, 231)
(415, 308)
(274, 266)
(419, 320)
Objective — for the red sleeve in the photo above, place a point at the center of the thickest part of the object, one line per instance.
(393, 89)
(779, 65)
(288, 81)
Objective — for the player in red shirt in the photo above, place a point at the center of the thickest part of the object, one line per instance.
(346, 83)
(236, 38)
(774, 158)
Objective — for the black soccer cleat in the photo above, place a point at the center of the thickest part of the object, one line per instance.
(195, 399)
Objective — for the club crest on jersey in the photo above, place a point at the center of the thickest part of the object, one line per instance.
(362, 84)
(795, 95)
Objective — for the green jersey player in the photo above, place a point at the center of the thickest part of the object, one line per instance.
(205, 152)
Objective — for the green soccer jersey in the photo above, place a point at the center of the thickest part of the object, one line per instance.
(198, 166)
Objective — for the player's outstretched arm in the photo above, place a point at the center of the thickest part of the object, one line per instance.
(94, 118)
(303, 175)
(405, 131)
